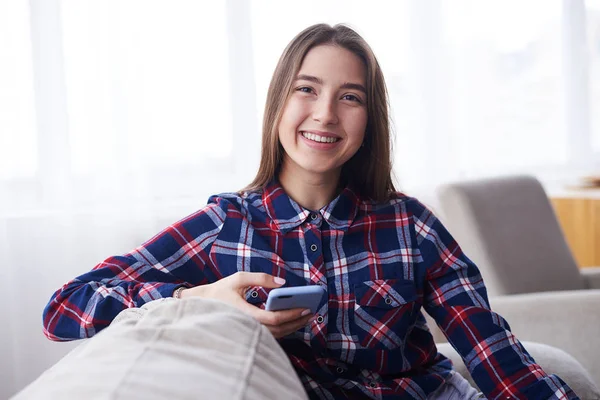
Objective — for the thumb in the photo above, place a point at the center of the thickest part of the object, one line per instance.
(242, 280)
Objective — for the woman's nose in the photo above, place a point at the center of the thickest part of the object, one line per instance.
(325, 111)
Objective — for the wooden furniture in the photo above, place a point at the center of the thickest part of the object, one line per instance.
(578, 212)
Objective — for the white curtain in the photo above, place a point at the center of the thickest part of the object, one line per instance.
(118, 117)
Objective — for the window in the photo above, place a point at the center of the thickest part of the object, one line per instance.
(163, 100)
(147, 83)
(18, 142)
(507, 95)
(593, 43)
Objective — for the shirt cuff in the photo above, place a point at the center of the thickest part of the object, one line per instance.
(167, 289)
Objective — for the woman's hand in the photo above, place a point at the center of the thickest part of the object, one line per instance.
(232, 290)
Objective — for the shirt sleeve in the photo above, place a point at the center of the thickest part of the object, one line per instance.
(455, 296)
(179, 255)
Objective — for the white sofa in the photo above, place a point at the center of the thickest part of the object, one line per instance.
(198, 348)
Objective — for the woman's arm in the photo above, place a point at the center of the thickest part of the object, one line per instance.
(455, 296)
(178, 255)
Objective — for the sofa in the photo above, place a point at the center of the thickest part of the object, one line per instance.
(199, 348)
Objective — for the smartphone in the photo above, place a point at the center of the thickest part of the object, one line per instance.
(295, 297)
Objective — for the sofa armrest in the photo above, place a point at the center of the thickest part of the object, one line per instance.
(568, 320)
(591, 275)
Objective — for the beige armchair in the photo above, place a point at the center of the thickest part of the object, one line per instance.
(508, 228)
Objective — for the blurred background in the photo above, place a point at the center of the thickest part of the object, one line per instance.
(119, 117)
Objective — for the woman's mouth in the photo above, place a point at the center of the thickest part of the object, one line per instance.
(318, 138)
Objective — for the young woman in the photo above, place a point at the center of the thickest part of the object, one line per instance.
(323, 210)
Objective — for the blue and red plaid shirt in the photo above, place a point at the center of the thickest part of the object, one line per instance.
(382, 264)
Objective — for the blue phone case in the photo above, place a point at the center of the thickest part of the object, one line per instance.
(295, 297)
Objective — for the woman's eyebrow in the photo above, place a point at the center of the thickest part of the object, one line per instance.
(355, 86)
(319, 81)
(309, 78)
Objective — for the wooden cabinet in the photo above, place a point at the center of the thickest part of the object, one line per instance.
(578, 213)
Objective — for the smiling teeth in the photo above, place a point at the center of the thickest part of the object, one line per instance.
(317, 138)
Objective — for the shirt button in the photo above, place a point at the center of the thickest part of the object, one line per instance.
(388, 300)
(254, 294)
(320, 319)
(313, 247)
(313, 216)
(340, 370)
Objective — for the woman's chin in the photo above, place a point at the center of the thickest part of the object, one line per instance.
(322, 170)
(318, 166)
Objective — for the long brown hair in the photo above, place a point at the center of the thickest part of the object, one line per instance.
(369, 171)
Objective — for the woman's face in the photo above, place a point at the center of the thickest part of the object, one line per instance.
(324, 120)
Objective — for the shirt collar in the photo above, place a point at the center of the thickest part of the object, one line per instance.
(286, 214)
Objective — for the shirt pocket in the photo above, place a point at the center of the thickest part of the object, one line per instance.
(383, 312)
(257, 295)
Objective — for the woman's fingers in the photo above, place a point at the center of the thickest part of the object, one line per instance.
(231, 290)
(289, 327)
(281, 323)
(277, 317)
(281, 317)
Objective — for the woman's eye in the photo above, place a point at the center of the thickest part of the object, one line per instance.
(304, 89)
(351, 97)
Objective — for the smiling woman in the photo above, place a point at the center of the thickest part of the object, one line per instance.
(322, 211)
(336, 90)
(323, 125)
(119, 117)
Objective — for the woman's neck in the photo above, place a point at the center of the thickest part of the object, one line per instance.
(312, 191)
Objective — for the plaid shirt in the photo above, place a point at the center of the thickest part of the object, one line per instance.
(381, 264)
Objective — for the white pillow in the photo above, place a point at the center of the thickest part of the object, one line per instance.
(174, 349)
